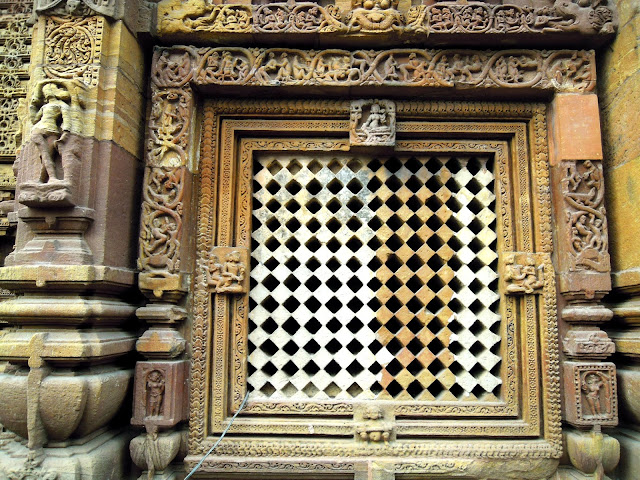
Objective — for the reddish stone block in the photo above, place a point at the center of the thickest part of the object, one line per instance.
(590, 394)
(160, 391)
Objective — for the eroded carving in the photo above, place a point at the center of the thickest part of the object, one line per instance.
(588, 344)
(373, 122)
(374, 16)
(108, 8)
(591, 394)
(159, 395)
(583, 192)
(561, 70)
(522, 274)
(373, 426)
(51, 167)
(587, 17)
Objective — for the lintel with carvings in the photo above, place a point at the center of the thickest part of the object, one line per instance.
(590, 22)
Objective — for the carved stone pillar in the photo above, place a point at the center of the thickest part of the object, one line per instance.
(582, 256)
(160, 399)
(69, 339)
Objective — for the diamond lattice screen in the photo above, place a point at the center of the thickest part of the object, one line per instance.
(374, 278)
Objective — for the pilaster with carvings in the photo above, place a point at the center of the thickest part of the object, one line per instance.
(160, 395)
(67, 376)
(582, 256)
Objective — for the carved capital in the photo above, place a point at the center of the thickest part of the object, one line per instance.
(114, 9)
(154, 451)
(588, 344)
(591, 396)
(159, 397)
(372, 123)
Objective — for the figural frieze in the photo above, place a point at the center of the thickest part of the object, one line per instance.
(586, 17)
(373, 123)
(561, 70)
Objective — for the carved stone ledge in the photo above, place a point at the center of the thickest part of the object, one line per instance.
(588, 344)
(161, 343)
(449, 22)
(160, 395)
(590, 391)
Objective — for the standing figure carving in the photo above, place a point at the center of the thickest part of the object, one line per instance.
(49, 166)
(155, 393)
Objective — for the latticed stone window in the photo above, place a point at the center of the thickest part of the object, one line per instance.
(370, 299)
(374, 278)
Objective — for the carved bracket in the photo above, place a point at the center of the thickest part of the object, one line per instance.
(590, 394)
(523, 273)
(159, 397)
(588, 344)
(372, 123)
(227, 270)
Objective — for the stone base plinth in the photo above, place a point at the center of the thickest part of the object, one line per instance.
(99, 458)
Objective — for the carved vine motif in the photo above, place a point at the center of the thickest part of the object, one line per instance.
(583, 191)
(161, 230)
(373, 122)
(563, 70)
(522, 275)
(169, 124)
(591, 17)
(72, 48)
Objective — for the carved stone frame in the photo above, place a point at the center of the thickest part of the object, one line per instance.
(217, 392)
(219, 347)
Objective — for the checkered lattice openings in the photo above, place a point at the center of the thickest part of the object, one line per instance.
(374, 279)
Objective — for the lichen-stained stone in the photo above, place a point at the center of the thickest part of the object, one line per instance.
(358, 283)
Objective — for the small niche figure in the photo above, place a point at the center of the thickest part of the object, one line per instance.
(591, 386)
(155, 393)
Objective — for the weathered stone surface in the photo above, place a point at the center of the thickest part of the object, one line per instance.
(160, 395)
(575, 121)
(628, 387)
(591, 394)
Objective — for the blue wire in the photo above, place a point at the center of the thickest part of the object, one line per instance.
(244, 402)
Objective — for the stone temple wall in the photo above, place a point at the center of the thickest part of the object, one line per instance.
(131, 133)
(619, 92)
